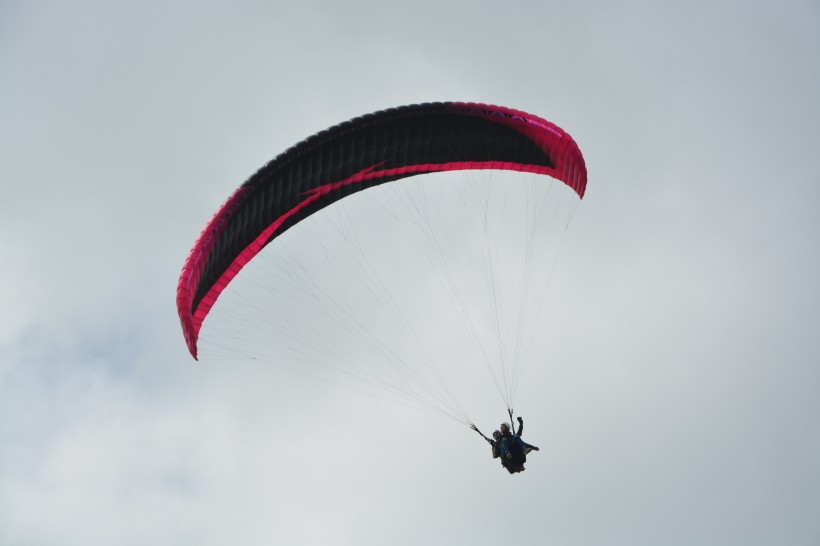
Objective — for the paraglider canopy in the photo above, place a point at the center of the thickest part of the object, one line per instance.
(367, 151)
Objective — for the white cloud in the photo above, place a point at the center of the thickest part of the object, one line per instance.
(671, 394)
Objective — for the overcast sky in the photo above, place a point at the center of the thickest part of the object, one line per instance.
(676, 402)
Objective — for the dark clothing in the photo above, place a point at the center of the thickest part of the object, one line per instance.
(497, 454)
(511, 449)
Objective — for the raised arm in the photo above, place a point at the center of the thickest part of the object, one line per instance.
(489, 440)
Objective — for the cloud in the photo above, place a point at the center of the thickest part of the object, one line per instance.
(671, 391)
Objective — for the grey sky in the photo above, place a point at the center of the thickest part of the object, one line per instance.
(677, 403)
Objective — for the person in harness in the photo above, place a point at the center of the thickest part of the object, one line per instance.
(496, 445)
(508, 447)
(513, 449)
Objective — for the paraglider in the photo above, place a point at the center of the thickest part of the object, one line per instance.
(511, 449)
(372, 150)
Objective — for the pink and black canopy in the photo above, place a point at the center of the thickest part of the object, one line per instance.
(356, 155)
